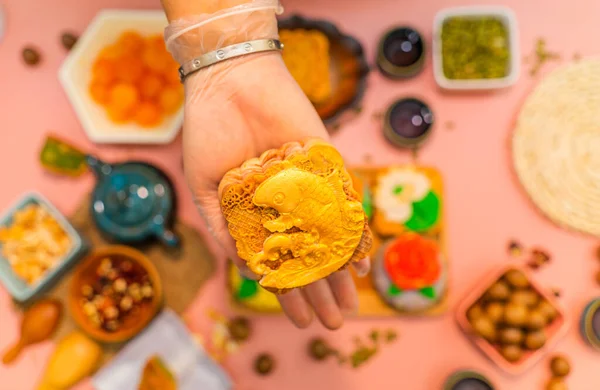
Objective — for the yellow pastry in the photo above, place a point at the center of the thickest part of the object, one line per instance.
(306, 56)
(295, 215)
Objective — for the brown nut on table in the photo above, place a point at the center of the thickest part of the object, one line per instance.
(560, 366)
(264, 364)
(318, 349)
(556, 384)
(239, 328)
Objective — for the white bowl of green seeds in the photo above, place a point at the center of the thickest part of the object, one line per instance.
(476, 48)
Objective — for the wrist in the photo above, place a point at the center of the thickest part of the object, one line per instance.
(191, 36)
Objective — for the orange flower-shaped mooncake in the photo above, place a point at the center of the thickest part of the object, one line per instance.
(294, 214)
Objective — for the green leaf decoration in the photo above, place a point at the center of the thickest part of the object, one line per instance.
(367, 202)
(398, 190)
(428, 292)
(425, 213)
(247, 289)
(394, 291)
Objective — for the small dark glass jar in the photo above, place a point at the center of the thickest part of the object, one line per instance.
(401, 53)
(407, 123)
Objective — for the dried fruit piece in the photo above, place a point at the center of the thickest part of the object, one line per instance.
(150, 87)
(68, 40)
(515, 249)
(170, 99)
(31, 56)
(147, 114)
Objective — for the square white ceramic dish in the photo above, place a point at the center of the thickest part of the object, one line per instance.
(507, 17)
(75, 74)
(17, 287)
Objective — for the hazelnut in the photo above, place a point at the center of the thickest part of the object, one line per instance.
(111, 313)
(515, 314)
(516, 279)
(535, 340)
(560, 366)
(495, 311)
(147, 291)
(120, 285)
(87, 291)
(556, 384)
(126, 303)
(512, 353)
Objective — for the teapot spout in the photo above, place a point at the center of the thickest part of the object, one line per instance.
(97, 166)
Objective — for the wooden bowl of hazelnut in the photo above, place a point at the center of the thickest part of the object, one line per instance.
(115, 293)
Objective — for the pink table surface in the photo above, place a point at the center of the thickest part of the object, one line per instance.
(485, 205)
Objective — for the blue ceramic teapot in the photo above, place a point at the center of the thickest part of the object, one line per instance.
(132, 202)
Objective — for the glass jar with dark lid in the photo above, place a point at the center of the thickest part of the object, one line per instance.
(467, 380)
(408, 122)
(401, 53)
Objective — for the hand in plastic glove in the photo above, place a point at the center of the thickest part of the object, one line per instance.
(235, 111)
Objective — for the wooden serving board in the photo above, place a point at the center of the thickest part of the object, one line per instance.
(365, 181)
(183, 271)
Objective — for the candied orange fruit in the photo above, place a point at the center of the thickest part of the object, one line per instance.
(136, 80)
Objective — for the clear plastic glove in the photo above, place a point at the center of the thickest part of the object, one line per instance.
(234, 111)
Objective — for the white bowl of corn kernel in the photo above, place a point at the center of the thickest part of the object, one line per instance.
(37, 244)
(122, 82)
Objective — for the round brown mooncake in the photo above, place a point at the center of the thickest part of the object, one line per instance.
(294, 214)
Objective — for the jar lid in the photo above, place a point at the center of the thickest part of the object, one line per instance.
(467, 380)
(408, 122)
(590, 323)
(401, 53)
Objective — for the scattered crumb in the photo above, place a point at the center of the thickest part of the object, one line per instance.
(358, 109)
(541, 56)
(515, 249)
(557, 293)
(450, 125)
(377, 116)
(367, 158)
(576, 57)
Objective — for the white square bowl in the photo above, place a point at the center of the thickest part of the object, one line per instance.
(507, 17)
(76, 71)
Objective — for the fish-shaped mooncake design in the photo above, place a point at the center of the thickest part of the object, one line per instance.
(294, 214)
